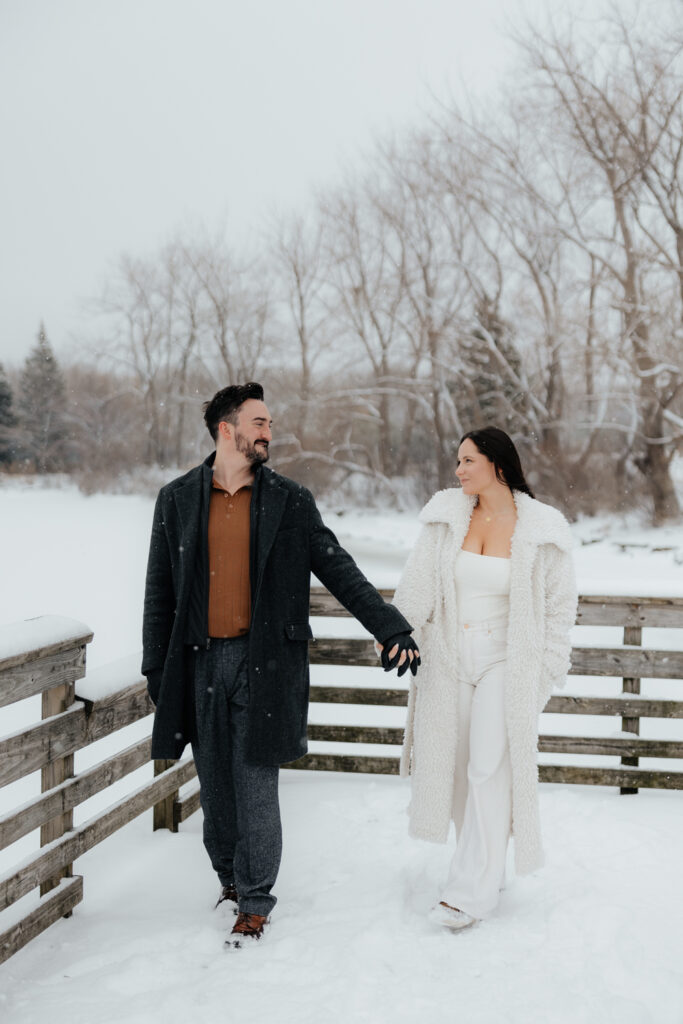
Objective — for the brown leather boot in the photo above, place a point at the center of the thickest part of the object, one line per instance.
(229, 895)
(247, 928)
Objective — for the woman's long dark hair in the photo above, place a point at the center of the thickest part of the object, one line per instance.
(499, 449)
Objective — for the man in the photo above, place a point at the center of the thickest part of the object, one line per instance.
(225, 638)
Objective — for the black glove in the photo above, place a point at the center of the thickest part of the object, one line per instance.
(403, 642)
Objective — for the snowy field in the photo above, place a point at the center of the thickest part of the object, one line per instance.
(594, 936)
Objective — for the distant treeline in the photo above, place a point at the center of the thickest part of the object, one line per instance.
(520, 265)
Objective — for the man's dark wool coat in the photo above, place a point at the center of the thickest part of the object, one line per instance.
(288, 541)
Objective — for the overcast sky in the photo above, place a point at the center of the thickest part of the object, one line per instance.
(124, 121)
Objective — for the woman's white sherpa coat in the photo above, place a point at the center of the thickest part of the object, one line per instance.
(543, 603)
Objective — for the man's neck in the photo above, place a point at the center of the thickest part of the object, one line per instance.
(233, 473)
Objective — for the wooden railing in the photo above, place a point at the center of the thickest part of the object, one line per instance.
(630, 662)
(47, 657)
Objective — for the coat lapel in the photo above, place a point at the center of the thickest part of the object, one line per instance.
(271, 505)
(188, 502)
(539, 524)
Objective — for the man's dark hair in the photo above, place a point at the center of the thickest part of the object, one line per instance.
(498, 447)
(226, 403)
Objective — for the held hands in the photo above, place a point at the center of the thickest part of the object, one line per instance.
(400, 651)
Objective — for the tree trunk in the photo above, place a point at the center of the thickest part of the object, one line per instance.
(655, 466)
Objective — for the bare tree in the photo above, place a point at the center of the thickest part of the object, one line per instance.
(460, 255)
(107, 425)
(536, 284)
(524, 268)
(149, 307)
(367, 286)
(595, 98)
(234, 309)
(183, 313)
(298, 256)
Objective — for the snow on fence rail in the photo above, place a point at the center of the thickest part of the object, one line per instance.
(47, 656)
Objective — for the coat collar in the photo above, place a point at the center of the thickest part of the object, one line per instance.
(203, 474)
(537, 523)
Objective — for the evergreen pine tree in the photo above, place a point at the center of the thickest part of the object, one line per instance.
(7, 418)
(42, 406)
(495, 398)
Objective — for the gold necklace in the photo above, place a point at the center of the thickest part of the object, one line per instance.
(496, 515)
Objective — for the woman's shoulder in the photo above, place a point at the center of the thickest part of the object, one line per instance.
(542, 523)
(446, 506)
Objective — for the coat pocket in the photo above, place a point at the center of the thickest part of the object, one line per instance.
(300, 631)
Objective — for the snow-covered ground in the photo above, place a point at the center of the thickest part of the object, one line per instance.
(594, 936)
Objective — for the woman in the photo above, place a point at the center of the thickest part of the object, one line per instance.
(490, 590)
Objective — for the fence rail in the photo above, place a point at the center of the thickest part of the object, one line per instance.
(630, 662)
(47, 657)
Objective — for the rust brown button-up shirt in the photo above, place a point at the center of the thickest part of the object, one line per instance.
(229, 582)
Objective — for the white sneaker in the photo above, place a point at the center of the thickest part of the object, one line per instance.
(450, 917)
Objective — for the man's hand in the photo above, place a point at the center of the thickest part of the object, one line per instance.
(400, 652)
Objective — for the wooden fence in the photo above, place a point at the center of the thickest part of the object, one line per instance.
(629, 662)
(48, 658)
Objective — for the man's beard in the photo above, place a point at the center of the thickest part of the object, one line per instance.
(254, 453)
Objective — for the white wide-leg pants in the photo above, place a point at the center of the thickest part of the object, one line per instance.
(482, 798)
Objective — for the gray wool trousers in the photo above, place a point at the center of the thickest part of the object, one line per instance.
(242, 829)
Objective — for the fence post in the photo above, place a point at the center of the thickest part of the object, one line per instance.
(162, 815)
(54, 701)
(633, 636)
